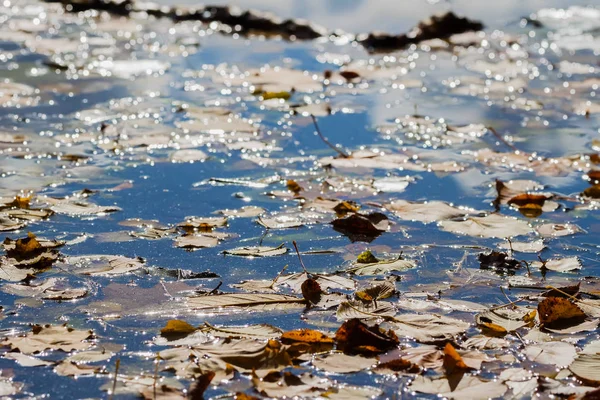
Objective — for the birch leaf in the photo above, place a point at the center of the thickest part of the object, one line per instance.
(492, 225)
(244, 300)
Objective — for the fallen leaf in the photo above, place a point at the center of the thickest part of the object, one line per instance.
(469, 388)
(356, 337)
(428, 328)
(559, 312)
(245, 300)
(257, 251)
(426, 212)
(339, 363)
(565, 264)
(381, 267)
(359, 227)
(560, 354)
(318, 342)
(50, 337)
(176, 328)
(492, 225)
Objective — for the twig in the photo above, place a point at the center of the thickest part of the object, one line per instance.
(512, 303)
(277, 277)
(300, 258)
(215, 289)
(114, 386)
(156, 361)
(324, 139)
(500, 138)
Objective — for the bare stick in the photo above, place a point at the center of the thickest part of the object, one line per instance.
(114, 386)
(500, 138)
(324, 139)
(299, 258)
(215, 289)
(156, 361)
(277, 277)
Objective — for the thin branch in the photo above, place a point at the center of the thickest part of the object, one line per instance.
(300, 258)
(500, 138)
(324, 139)
(272, 285)
(114, 385)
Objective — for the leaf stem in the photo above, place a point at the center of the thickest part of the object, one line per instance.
(324, 139)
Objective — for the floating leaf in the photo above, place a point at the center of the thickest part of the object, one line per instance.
(360, 227)
(317, 341)
(559, 312)
(428, 328)
(356, 337)
(176, 328)
(104, 265)
(50, 337)
(357, 309)
(560, 354)
(339, 363)
(566, 264)
(244, 300)
(381, 267)
(426, 212)
(257, 251)
(492, 225)
(469, 388)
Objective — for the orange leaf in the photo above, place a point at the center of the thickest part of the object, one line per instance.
(176, 327)
(557, 312)
(453, 362)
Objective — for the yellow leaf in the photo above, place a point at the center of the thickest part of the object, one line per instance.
(177, 327)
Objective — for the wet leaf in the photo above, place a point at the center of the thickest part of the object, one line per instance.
(559, 312)
(426, 212)
(469, 388)
(67, 368)
(492, 225)
(317, 341)
(104, 265)
(428, 328)
(311, 291)
(360, 310)
(257, 251)
(339, 363)
(50, 337)
(355, 337)
(245, 300)
(200, 385)
(560, 354)
(176, 328)
(360, 227)
(26, 361)
(585, 366)
(566, 264)
(381, 267)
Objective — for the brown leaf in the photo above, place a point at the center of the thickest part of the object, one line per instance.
(355, 336)
(317, 341)
(398, 365)
(293, 186)
(360, 227)
(592, 192)
(311, 291)
(559, 312)
(200, 385)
